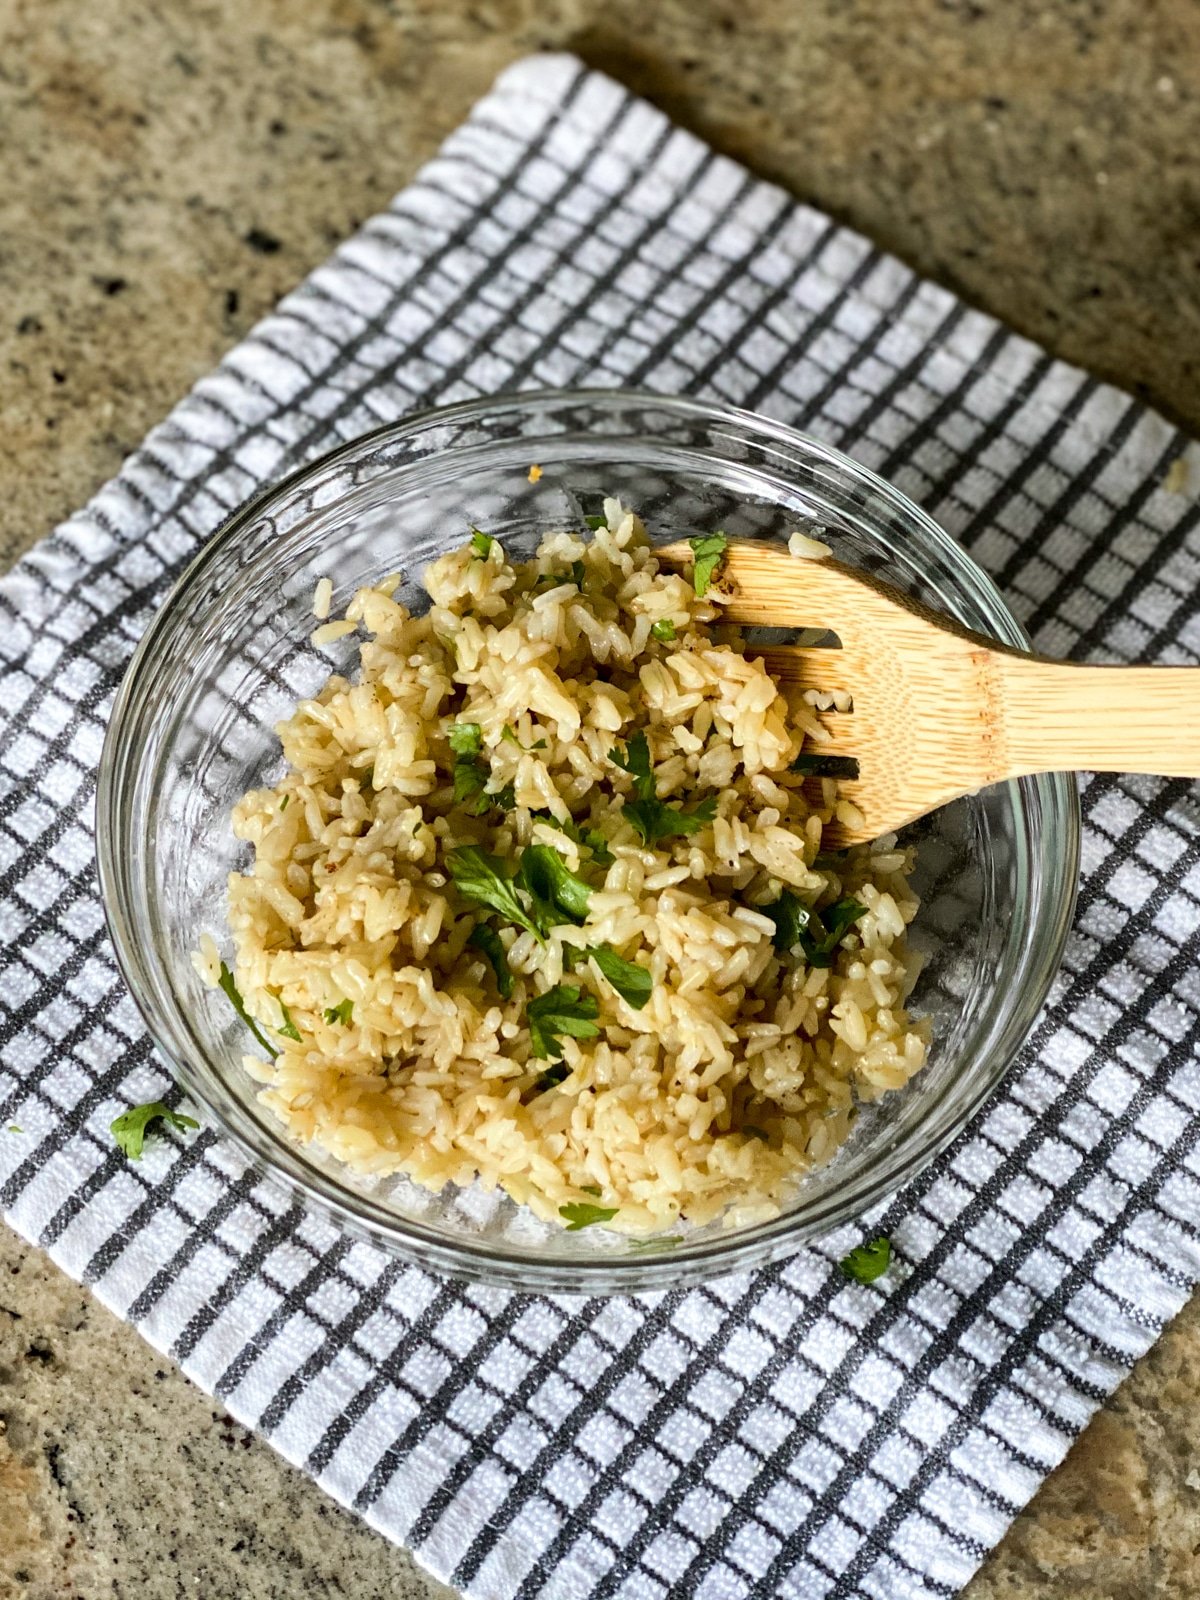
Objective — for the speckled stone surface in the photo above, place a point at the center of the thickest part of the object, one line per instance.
(170, 169)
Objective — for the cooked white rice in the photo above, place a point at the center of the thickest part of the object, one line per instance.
(743, 1067)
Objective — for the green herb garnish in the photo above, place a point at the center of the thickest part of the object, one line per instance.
(487, 881)
(130, 1128)
(813, 765)
(652, 819)
(558, 893)
(488, 940)
(591, 1188)
(550, 1079)
(587, 838)
(563, 1010)
(578, 574)
(283, 804)
(481, 543)
(342, 1012)
(633, 983)
(470, 779)
(510, 737)
(817, 933)
(655, 821)
(579, 1214)
(596, 523)
(466, 738)
(12, 1128)
(230, 989)
(289, 1029)
(867, 1262)
(708, 552)
(664, 631)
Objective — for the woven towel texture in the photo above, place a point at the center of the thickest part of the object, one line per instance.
(781, 1433)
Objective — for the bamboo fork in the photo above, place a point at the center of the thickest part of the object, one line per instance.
(939, 712)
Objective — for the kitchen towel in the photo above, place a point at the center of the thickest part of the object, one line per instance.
(784, 1432)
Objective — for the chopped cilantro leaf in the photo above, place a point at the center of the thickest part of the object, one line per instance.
(596, 523)
(817, 934)
(505, 798)
(12, 1128)
(578, 574)
(587, 838)
(655, 821)
(632, 983)
(481, 544)
(487, 881)
(565, 1009)
(230, 989)
(130, 1128)
(591, 1188)
(557, 893)
(580, 1214)
(488, 940)
(343, 1012)
(813, 765)
(708, 552)
(635, 760)
(550, 1079)
(289, 1029)
(510, 737)
(470, 776)
(664, 631)
(652, 819)
(867, 1262)
(466, 738)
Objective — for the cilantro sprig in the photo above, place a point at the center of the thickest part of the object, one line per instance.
(652, 818)
(487, 880)
(708, 551)
(131, 1127)
(564, 1011)
(558, 894)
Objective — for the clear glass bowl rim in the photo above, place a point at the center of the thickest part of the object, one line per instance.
(1053, 854)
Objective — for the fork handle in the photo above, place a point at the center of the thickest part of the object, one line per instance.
(1057, 716)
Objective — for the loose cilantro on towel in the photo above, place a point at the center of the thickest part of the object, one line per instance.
(130, 1128)
(867, 1262)
(563, 1010)
(708, 552)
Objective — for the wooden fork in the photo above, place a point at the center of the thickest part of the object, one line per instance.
(937, 711)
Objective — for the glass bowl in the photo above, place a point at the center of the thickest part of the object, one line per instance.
(229, 654)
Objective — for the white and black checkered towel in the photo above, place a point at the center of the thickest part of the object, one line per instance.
(779, 1433)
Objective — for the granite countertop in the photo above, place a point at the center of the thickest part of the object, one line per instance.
(171, 169)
